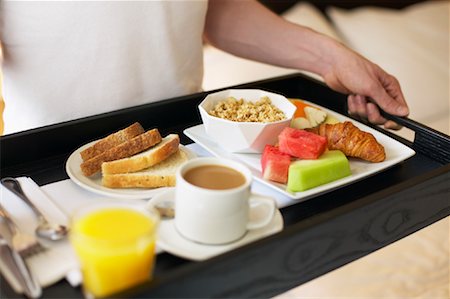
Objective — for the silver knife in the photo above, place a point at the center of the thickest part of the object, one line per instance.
(20, 271)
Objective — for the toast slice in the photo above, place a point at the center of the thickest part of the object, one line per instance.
(159, 175)
(112, 140)
(125, 149)
(150, 157)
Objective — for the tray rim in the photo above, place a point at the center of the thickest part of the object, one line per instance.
(383, 199)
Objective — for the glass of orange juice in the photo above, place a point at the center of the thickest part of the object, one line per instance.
(115, 245)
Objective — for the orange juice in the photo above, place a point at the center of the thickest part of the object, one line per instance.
(115, 247)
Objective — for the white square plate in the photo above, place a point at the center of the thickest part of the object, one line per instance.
(396, 152)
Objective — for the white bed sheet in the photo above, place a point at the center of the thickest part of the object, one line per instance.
(413, 45)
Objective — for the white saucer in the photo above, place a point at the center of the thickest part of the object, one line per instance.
(171, 241)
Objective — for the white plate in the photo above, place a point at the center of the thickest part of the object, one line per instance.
(94, 182)
(396, 152)
(171, 241)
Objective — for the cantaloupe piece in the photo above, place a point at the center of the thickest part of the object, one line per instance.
(300, 104)
(307, 174)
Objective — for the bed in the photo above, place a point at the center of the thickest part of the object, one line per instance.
(409, 39)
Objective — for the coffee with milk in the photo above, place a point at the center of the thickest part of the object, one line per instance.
(214, 177)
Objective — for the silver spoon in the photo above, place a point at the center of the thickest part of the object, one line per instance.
(166, 209)
(45, 229)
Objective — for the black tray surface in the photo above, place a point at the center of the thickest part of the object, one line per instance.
(320, 234)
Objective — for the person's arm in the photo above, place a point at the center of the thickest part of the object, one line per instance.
(2, 103)
(248, 29)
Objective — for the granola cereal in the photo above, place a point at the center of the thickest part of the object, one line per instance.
(246, 111)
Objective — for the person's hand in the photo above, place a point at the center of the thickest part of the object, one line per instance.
(367, 85)
(248, 29)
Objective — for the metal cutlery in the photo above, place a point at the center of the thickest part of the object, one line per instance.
(19, 270)
(23, 243)
(45, 228)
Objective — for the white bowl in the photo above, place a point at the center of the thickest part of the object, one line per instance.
(244, 137)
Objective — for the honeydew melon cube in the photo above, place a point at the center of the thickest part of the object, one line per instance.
(307, 174)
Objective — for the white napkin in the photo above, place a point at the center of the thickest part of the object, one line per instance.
(58, 260)
(57, 201)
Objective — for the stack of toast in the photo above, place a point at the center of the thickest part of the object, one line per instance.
(134, 158)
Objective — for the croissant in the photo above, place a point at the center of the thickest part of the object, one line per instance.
(353, 142)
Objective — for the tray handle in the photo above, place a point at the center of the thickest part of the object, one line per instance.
(427, 140)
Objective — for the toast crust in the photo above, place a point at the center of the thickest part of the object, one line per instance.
(160, 175)
(111, 141)
(168, 146)
(126, 149)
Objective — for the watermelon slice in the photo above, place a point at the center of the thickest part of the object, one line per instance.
(301, 144)
(275, 164)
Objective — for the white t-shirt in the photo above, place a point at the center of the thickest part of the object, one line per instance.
(66, 60)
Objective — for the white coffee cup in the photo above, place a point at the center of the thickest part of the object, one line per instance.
(217, 216)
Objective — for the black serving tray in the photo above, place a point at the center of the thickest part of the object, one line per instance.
(320, 235)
